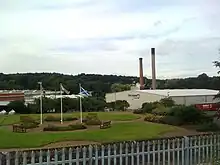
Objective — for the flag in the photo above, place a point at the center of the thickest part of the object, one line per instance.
(84, 92)
(63, 89)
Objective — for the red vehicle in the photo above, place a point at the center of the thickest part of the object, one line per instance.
(208, 106)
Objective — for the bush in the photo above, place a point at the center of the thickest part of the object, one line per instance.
(65, 128)
(92, 119)
(208, 127)
(153, 118)
(148, 107)
(167, 102)
(93, 122)
(161, 110)
(29, 125)
(138, 111)
(188, 114)
(27, 119)
(52, 118)
(171, 120)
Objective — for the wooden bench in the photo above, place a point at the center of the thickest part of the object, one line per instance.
(18, 128)
(105, 124)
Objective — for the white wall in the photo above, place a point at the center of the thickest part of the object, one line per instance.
(189, 100)
(135, 102)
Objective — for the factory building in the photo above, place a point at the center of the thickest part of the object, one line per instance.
(139, 95)
(181, 96)
(6, 97)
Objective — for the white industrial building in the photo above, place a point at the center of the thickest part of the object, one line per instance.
(181, 96)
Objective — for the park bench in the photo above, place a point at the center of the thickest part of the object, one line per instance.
(105, 124)
(19, 128)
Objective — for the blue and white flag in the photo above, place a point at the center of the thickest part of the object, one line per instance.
(84, 92)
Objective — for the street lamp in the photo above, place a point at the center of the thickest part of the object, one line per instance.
(41, 105)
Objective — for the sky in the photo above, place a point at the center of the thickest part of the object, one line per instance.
(109, 36)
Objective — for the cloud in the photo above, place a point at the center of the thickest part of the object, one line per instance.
(74, 36)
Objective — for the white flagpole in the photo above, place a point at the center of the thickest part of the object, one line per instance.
(41, 103)
(80, 103)
(61, 106)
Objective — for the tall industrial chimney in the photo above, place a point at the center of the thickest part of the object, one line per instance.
(141, 73)
(153, 68)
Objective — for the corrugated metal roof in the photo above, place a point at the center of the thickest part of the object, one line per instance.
(4, 103)
(182, 92)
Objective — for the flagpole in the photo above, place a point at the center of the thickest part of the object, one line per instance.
(80, 103)
(61, 106)
(41, 104)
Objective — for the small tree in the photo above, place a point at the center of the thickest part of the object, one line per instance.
(18, 107)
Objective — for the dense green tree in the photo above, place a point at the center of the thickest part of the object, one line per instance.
(69, 104)
(120, 105)
(120, 87)
(18, 107)
(99, 85)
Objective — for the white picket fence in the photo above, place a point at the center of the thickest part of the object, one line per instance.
(191, 150)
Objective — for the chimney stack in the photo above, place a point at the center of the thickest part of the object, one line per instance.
(141, 73)
(153, 68)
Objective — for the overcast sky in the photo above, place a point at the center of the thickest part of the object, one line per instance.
(108, 36)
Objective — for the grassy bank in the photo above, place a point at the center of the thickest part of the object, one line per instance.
(118, 132)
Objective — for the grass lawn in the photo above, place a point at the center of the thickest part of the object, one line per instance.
(118, 132)
(114, 116)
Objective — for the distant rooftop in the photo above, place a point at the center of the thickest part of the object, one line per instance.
(182, 92)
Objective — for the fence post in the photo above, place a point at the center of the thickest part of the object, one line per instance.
(186, 146)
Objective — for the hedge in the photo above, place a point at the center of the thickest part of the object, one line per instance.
(171, 120)
(153, 118)
(29, 125)
(71, 127)
(52, 118)
(208, 127)
(27, 119)
(92, 119)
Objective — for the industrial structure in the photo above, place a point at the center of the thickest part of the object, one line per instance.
(139, 95)
(6, 97)
(181, 96)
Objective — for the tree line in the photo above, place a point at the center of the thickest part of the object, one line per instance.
(99, 84)
(89, 104)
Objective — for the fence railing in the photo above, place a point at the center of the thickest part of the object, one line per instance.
(187, 150)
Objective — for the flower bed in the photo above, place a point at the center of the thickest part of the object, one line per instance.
(71, 127)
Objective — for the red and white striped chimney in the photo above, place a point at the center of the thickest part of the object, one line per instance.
(153, 68)
(141, 73)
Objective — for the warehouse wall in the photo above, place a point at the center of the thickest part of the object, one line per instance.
(189, 100)
(134, 98)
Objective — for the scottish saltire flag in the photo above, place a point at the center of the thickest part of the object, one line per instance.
(63, 89)
(84, 92)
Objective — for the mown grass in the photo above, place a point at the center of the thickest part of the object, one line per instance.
(118, 132)
(114, 116)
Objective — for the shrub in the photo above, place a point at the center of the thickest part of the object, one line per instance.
(138, 111)
(167, 102)
(161, 110)
(27, 119)
(148, 107)
(92, 119)
(52, 118)
(188, 114)
(29, 125)
(208, 127)
(93, 122)
(71, 127)
(171, 120)
(153, 118)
